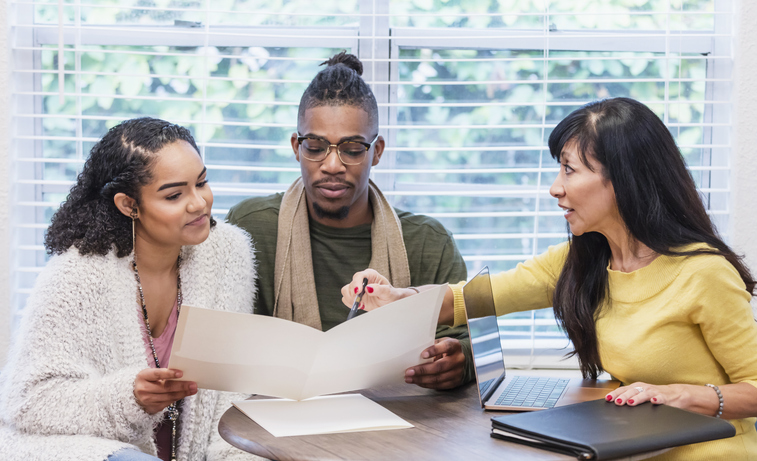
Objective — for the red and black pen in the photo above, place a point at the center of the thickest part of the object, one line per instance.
(358, 299)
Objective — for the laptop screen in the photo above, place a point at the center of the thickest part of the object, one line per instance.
(484, 331)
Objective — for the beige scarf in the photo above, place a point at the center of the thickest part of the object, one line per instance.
(293, 277)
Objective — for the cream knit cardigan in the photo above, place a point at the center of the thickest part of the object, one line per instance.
(66, 392)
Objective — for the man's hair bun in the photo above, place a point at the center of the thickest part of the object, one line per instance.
(346, 59)
(340, 84)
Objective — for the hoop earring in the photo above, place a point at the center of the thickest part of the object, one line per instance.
(134, 231)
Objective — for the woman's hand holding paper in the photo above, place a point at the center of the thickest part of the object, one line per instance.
(155, 388)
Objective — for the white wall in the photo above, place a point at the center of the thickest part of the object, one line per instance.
(744, 172)
(5, 200)
(744, 176)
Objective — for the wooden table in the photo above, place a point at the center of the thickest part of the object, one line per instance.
(448, 425)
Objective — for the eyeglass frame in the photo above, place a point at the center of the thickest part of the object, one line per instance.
(367, 146)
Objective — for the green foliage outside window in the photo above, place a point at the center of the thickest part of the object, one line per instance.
(479, 109)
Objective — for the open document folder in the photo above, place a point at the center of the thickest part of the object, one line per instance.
(256, 354)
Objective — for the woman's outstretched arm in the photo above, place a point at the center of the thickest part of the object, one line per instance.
(379, 292)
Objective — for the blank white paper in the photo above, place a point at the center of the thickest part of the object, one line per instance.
(320, 415)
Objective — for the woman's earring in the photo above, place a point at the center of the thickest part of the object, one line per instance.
(134, 231)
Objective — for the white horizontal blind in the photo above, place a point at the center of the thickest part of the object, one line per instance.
(468, 91)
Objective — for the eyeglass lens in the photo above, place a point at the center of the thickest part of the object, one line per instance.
(350, 152)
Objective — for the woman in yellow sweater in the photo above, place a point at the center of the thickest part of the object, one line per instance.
(644, 288)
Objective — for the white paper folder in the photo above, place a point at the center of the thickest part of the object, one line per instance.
(327, 414)
(257, 354)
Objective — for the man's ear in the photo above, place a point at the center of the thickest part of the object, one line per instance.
(378, 150)
(125, 204)
(295, 146)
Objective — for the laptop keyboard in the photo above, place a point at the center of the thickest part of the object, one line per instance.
(527, 391)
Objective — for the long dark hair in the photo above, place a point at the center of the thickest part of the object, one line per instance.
(120, 162)
(340, 84)
(657, 200)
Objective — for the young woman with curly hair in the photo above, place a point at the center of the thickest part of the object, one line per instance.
(86, 378)
(644, 288)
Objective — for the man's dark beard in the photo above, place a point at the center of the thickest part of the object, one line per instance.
(337, 215)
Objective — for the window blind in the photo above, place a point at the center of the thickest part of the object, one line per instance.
(468, 92)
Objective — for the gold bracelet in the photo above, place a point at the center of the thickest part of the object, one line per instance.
(720, 399)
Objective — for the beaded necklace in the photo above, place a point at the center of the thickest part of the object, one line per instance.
(172, 411)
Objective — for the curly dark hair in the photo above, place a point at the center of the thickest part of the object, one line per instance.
(120, 162)
(340, 84)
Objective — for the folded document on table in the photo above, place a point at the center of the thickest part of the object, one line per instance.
(257, 354)
(327, 414)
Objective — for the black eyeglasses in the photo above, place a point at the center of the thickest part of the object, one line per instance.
(349, 152)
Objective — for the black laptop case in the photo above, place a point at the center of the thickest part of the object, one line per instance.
(602, 430)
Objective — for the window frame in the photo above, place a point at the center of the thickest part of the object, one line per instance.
(381, 43)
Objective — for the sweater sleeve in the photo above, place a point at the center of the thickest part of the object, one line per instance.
(530, 285)
(68, 403)
(57, 379)
(724, 315)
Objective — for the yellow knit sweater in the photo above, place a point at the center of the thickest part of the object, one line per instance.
(678, 320)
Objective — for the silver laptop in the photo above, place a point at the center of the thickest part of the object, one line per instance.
(497, 390)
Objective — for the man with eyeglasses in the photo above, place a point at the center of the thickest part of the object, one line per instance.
(333, 221)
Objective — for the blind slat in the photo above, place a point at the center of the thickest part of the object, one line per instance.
(391, 60)
(536, 81)
(381, 126)
(447, 14)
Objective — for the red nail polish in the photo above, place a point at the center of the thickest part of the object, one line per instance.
(654, 399)
(619, 401)
(608, 398)
(369, 290)
(355, 289)
(362, 307)
(631, 401)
